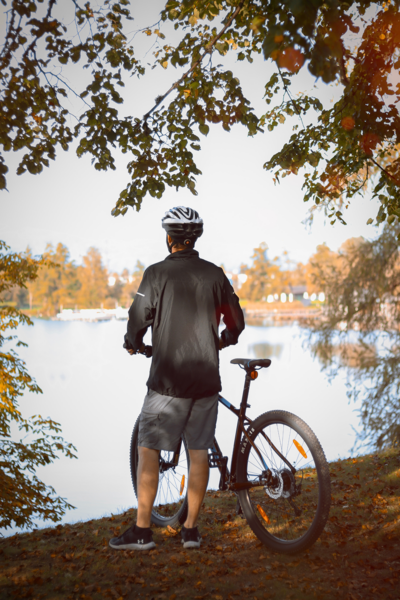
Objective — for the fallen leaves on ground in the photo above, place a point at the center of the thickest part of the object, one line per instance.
(357, 556)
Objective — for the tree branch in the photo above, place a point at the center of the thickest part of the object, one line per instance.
(31, 47)
(397, 182)
(46, 74)
(363, 183)
(290, 96)
(208, 50)
(11, 33)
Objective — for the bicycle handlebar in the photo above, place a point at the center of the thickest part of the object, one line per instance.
(146, 350)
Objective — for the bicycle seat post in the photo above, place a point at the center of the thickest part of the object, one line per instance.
(242, 413)
(245, 396)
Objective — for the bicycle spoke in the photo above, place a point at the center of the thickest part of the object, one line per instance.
(170, 506)
(286, 506)
(169, 496)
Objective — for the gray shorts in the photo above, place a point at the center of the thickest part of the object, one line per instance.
(164, 418)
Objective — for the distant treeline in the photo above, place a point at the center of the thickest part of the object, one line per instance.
(64, 284)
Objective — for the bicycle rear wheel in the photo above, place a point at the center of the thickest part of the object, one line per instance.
(170, 506)
(286, 511)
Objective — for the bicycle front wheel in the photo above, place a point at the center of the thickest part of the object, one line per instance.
(287, 511)
(170, 506)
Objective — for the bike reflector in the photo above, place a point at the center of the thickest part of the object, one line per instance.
(300, 448)
(254, 374)
(182, 485)
(262, 513)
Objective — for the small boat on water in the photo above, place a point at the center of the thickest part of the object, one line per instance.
(93, 315)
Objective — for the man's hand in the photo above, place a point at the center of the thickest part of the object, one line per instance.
(131, 351)
(140, 351)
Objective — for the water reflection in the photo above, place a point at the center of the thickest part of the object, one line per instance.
(266, 350)
(351, 355)
(371, 365)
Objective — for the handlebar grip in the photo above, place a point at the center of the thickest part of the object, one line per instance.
(146, 350)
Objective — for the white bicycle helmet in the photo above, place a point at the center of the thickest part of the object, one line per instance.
(183, 225)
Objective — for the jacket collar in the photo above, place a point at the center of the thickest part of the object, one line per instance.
(183, 254)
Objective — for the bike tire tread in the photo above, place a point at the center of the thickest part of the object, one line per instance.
(318, 525)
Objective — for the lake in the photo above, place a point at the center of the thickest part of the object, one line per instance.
(95, 390)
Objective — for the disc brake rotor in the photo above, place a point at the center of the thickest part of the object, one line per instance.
(275, 487)
(282, 484)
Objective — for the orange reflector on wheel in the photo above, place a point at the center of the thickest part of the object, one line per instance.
(254, 374)
(300, 448)
(262, 513)
(182, 485)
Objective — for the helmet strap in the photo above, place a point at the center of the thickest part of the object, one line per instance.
(188, 243)
(170, 246)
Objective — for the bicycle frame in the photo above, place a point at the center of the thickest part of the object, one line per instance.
(228, 478)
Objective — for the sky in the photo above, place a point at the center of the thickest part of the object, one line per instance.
(241, 207)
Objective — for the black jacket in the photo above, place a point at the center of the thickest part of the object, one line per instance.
(182, 299)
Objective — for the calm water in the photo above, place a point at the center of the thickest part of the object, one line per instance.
(95, 390)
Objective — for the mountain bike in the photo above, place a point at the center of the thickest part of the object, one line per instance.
(278, 471)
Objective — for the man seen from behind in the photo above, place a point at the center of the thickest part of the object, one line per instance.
(182, 299)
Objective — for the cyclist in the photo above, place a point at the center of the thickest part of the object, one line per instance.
(182, 299)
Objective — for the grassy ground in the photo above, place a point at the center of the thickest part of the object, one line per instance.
(357, 557)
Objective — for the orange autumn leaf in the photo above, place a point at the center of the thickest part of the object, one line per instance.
(291, 59)
(348, 123)
(171, 530)
(369, 142)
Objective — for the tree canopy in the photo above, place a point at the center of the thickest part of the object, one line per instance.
(339, 150)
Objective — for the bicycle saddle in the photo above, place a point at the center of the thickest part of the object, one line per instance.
(249, 363)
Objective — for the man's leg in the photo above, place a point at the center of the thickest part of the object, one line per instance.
(197, 485)
(147, 483)
(139, 537)
(200, 431)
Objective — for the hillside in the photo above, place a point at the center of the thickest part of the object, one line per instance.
(357, 557)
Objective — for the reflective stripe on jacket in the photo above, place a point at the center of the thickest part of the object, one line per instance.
(182, 299)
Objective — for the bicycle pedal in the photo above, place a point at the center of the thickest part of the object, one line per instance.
(216, 460)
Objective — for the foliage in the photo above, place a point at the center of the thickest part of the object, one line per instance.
(258, 278)
(93, 279)
(267, 277)
(63, 284)
(360, 329)
(23, 495)
(132, 283)
(57, 284)
(322, 261)
(353, 44)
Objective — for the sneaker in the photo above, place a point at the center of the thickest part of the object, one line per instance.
(134, 538)
(190, 537)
